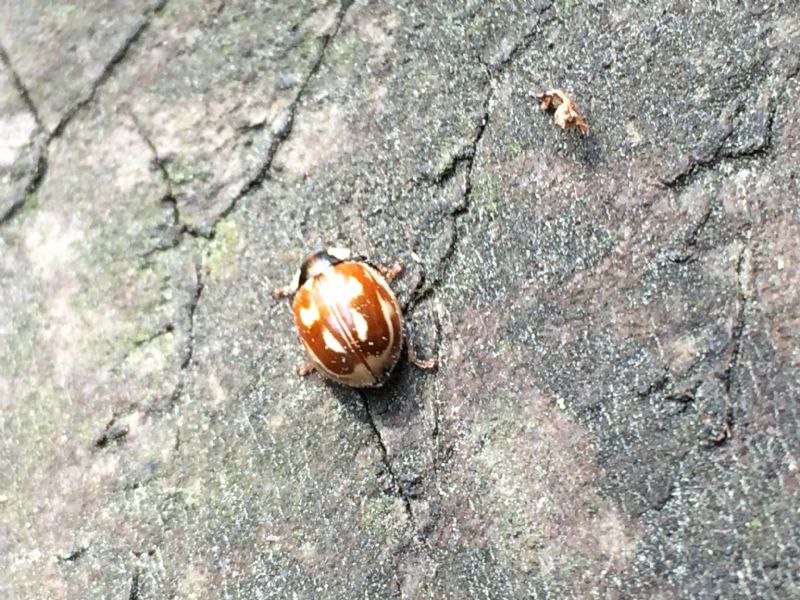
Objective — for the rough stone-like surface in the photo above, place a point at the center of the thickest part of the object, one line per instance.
(615, 412)
(61, 51)
(20, 143)
(213, 86)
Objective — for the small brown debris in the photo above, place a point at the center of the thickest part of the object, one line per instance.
(566, 115)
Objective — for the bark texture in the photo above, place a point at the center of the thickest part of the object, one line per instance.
(616, 413)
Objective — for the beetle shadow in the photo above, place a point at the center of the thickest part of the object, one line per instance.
(399, 401)
(395, 402)
(590, 152)
(351, 399)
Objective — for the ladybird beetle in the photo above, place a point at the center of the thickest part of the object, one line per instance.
(348, 318)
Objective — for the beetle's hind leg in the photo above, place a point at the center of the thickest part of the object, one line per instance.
(282, 292)
(413, 358)
(287, 290)
(305, 369)
(391, 272)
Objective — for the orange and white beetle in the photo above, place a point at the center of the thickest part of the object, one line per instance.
(348, 318)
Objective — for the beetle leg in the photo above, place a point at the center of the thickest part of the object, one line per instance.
(283, 292)
(422, 363)
(288, 290)
(305, 369)
(391, 272)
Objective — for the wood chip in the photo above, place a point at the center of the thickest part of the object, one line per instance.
(566, 115)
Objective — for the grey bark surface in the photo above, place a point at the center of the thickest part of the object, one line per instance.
(616, 411)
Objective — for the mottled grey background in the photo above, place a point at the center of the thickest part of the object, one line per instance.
(616, 411)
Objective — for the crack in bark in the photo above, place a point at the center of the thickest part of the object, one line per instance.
(684, 253)
(712, 152)
(134, 589)
(467, 156)
(499, 64)
(699, 158)
(158, 161)
(168, 328)
(181, 229)
(73, 554)
(31, 188)
(112, 433)
(697, 230)
(281, 135)
(5, 58)
(108, 69)
(743, 280)
(760, 147)
(684, 393)
(195, 300)
(501, 59)
(763, 143)
(285, 128)
(43, 164)
(169, 199)
(189, 347)
(399, 489)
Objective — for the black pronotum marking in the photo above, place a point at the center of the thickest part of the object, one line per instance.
(314, 263)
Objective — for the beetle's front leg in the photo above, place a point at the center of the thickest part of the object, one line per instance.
(391, 272)
(305, 369)
(283, 292)
(422, 363)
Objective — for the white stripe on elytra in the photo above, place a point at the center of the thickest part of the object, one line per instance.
(388, 312)
(362, 374)
(310, 315)
(342, 288)
(331, 342)
(388, 309)
(360, 323)
(317, 362)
